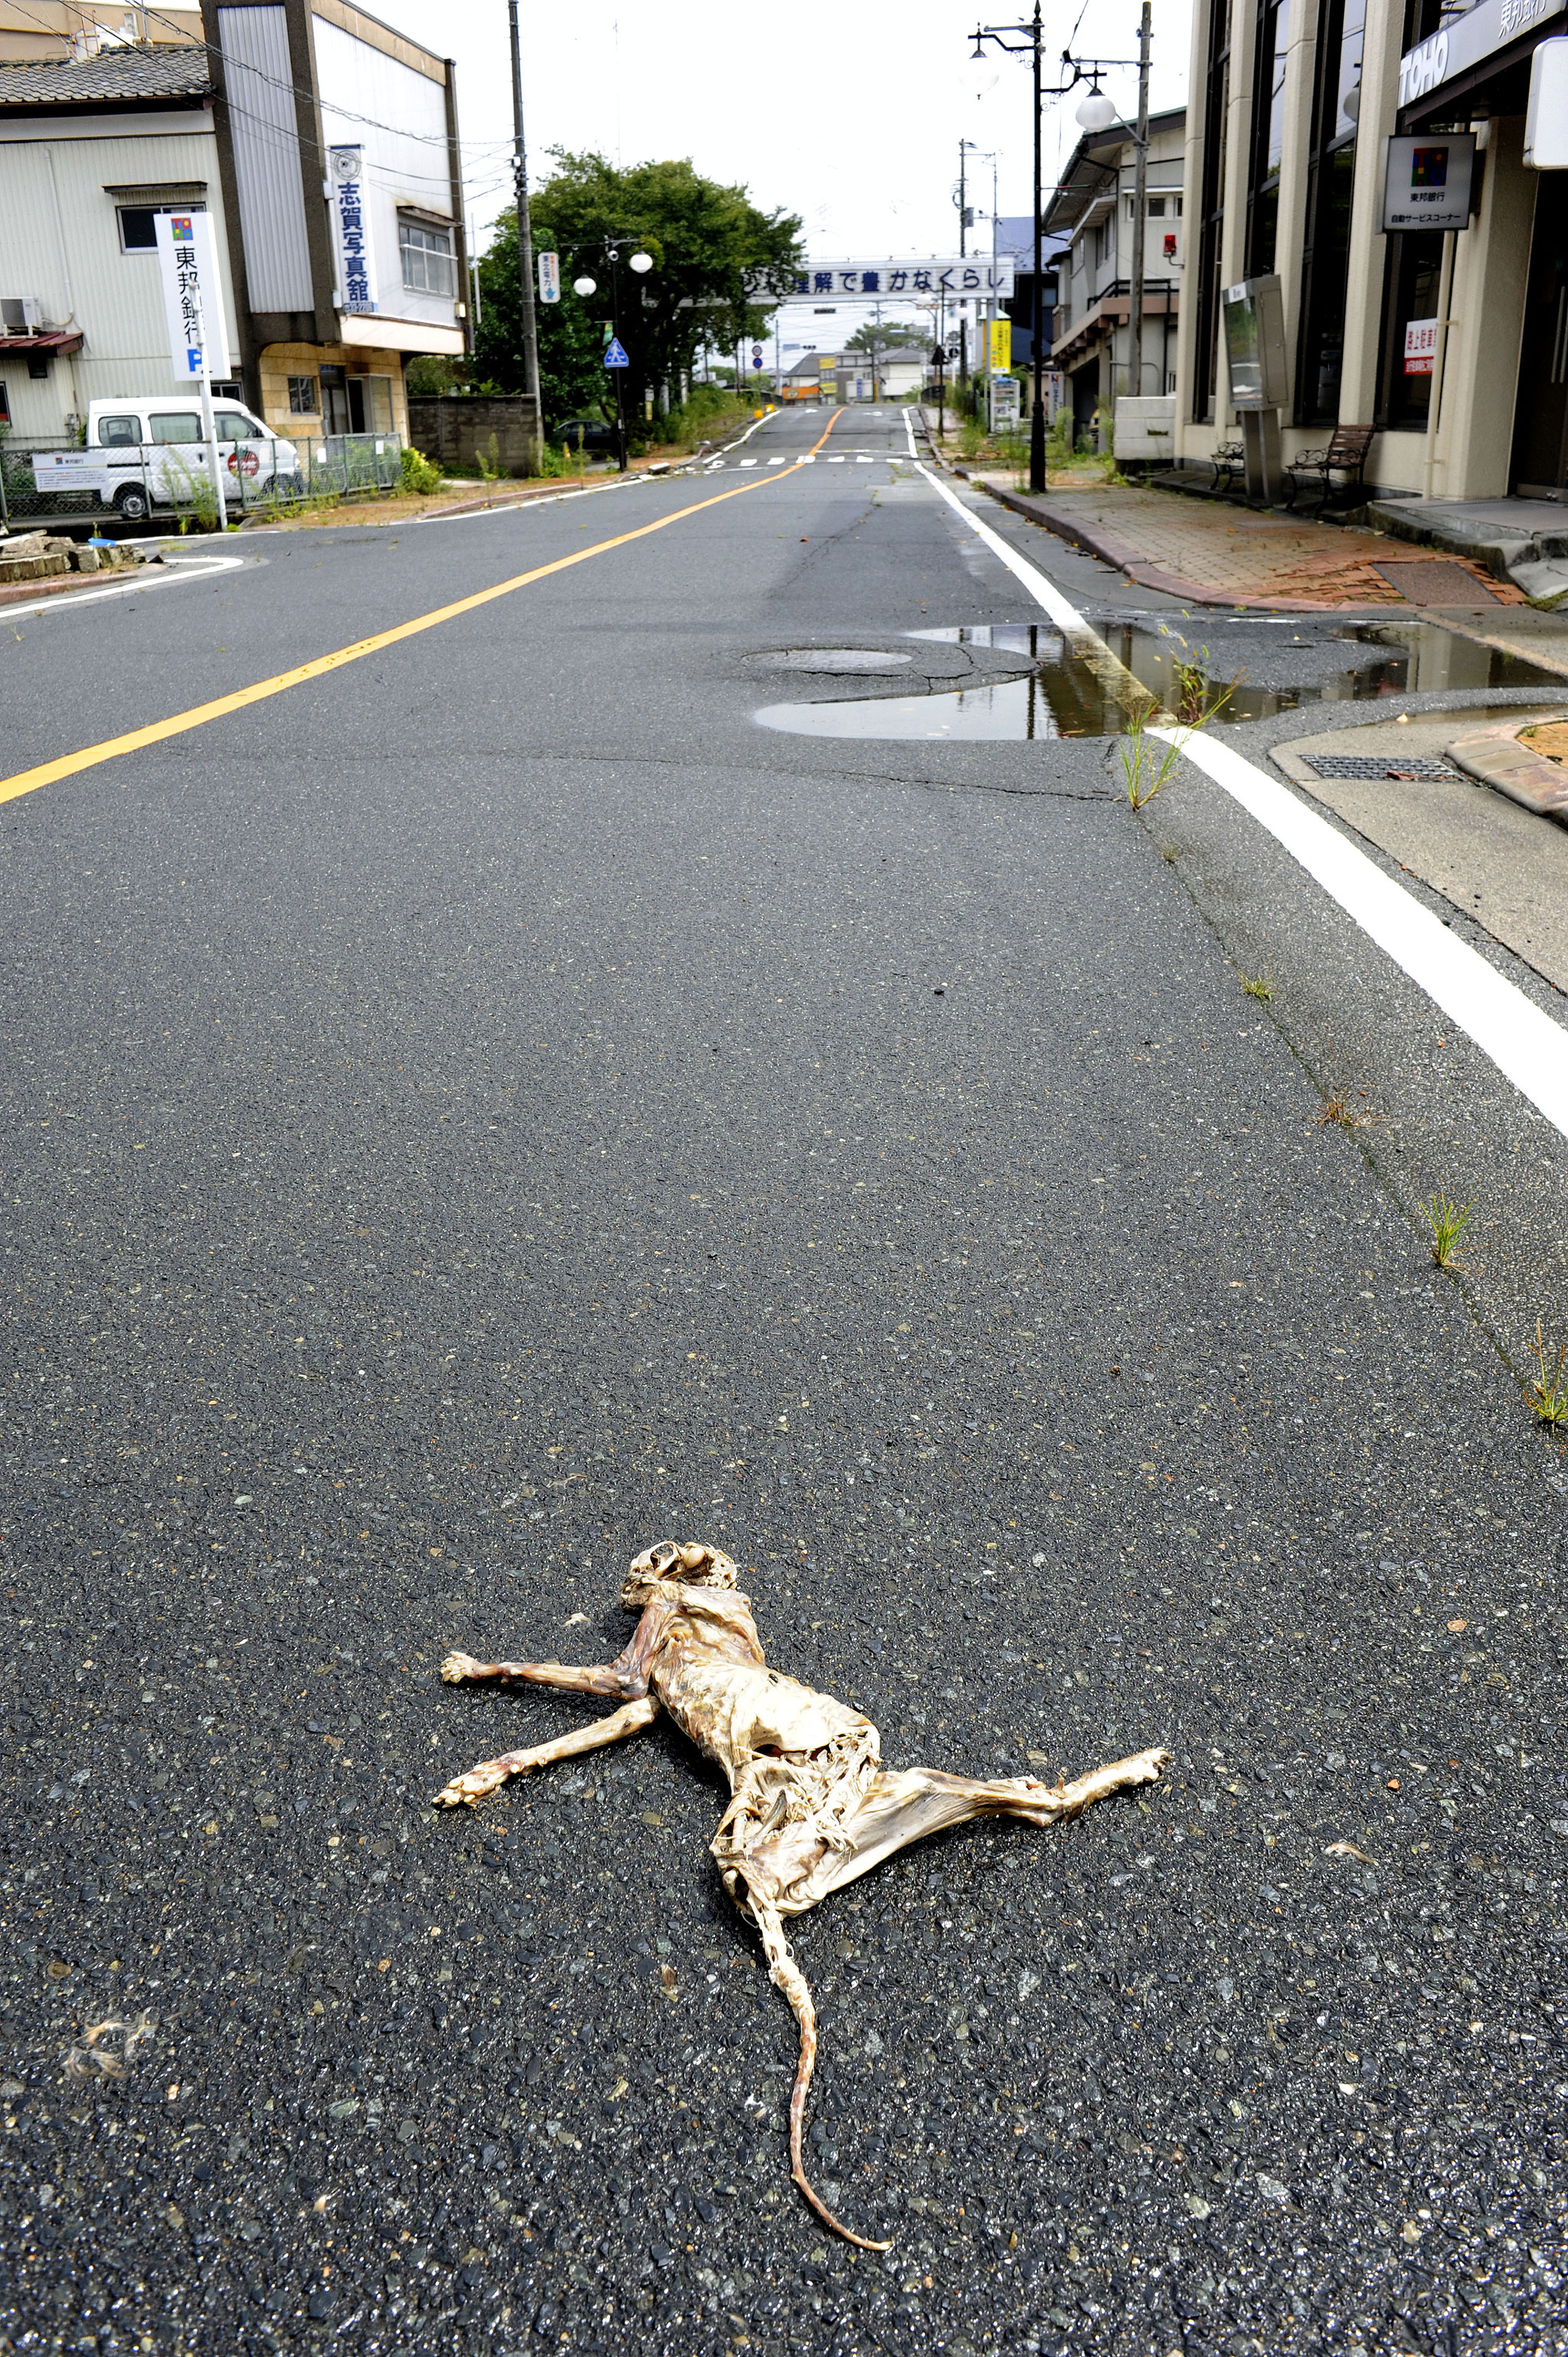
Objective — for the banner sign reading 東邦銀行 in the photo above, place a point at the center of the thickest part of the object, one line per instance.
(953, 275)
(193, 294)
(350, 215)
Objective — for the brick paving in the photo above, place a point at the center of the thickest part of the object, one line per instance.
(1216, 554)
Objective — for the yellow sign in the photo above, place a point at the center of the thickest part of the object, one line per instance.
(1001, 347)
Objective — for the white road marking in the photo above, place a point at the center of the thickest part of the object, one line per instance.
(1527, 1047)
(778, 462)
(837, 458)
(746, 462)
(862, 460)
(172, 570)
(910, 430)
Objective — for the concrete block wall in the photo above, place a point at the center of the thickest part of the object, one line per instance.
(454, 429)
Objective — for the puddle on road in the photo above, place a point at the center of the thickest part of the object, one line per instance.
(1063, 694)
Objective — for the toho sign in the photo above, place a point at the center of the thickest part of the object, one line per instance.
(1427, 181)
(193, 299)
(1468, 41)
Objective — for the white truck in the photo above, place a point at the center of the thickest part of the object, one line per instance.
(146, 451)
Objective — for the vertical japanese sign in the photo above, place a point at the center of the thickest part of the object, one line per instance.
(193, 296)
(350, 213)
(550, 278)
(1001, 346)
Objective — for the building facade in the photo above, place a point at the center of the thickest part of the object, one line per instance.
(324, 149)
(1453, 345)
(1092, 212)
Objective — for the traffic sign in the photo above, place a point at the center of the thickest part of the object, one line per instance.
(615, 355)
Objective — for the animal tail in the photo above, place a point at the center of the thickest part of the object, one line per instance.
(786, 1974)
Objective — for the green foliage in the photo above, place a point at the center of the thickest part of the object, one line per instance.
(419, 474)
(706, 241)
(428, 375)
(192, 492)
(709, 412)
(1448, 1222)
(891, 335)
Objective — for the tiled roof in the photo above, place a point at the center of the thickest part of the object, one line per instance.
(131, 75)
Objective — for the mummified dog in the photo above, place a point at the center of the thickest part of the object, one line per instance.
(811, 1807)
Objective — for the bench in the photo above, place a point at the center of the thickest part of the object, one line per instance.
(1346, 456)
(1228, 462)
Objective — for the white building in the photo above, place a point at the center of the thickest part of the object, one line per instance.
(1092, 209)
(255, 126)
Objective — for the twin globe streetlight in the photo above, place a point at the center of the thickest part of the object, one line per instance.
(639, 262)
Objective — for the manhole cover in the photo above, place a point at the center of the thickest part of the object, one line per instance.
(1377, 765)
(1434, 581)
(836, 660)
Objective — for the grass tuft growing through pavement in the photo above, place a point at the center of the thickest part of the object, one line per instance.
(1448, 1222)
(1258, 986)
(1549, 1393)
(1147, 762)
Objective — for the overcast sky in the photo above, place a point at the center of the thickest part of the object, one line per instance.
(849, 115)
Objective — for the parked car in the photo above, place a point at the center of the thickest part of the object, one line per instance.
(596, 432)
(144, 450)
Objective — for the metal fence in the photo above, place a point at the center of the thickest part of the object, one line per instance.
(174, 483)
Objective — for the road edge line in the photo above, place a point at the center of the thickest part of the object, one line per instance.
(1526, 1044)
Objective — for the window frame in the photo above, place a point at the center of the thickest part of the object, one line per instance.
(311, 408)
(1211, 215)
(1330, 202)
(152, 211)
(422, 238)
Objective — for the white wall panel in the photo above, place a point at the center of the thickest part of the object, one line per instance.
(406, 166)
(266, 157)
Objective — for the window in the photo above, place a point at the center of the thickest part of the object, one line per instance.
(5, 405)
(1410, 291)
(1330, 181)
(429, 264)
(303, 397)
(176, 425)
(1268, 136)
(119, 433)
(137, 234)
(1211, 212)
(235, 426)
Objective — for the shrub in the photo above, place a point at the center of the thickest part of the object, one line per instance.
(418, 473)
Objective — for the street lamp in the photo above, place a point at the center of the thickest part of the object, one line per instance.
(642, 262)
(1096, 114)
(1083, 70)
(585, 285)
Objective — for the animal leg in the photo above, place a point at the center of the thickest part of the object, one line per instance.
(463, 1670)
(489, 1773)
(903, 1806)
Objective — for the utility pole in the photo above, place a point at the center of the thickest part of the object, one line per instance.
(963, 249)
(1037, 404)
(1140, 207)
(524, 243)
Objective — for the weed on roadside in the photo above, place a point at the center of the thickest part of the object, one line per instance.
(1258, 986)
(1548, 1394)
(1337, 1106)
(1448, 1222)
(1148, 763)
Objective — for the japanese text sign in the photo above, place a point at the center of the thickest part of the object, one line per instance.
(1426, 182)
(350, 213)
(1420, 346)
(193, 296)
(955, 277)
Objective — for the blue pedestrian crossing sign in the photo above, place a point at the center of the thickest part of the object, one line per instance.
(614, 354)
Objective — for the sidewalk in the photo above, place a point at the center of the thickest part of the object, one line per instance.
(1214, 554)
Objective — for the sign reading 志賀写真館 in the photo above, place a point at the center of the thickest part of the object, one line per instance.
(1466, 40)
(952, 274)
(1427, 181)
(346, 178)
(193, 296)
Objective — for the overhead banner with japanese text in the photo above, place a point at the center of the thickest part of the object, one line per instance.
(351, 220)
(955, 275)
(193, 294)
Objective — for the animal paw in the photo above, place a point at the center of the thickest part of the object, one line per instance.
(459, 1666)
(1147, 1765)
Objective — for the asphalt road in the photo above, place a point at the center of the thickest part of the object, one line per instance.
(412, 1081)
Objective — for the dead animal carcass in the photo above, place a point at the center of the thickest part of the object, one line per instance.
(812, 1806)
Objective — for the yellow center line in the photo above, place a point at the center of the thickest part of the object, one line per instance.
(69, 765)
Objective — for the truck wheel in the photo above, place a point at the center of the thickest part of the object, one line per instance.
(133, 502)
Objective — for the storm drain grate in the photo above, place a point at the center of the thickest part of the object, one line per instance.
(1379, 765)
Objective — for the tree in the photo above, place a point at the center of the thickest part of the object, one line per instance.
(571, 348)
(720, 267)
(887, 337)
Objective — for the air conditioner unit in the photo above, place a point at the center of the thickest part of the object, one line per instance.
(21, 315)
